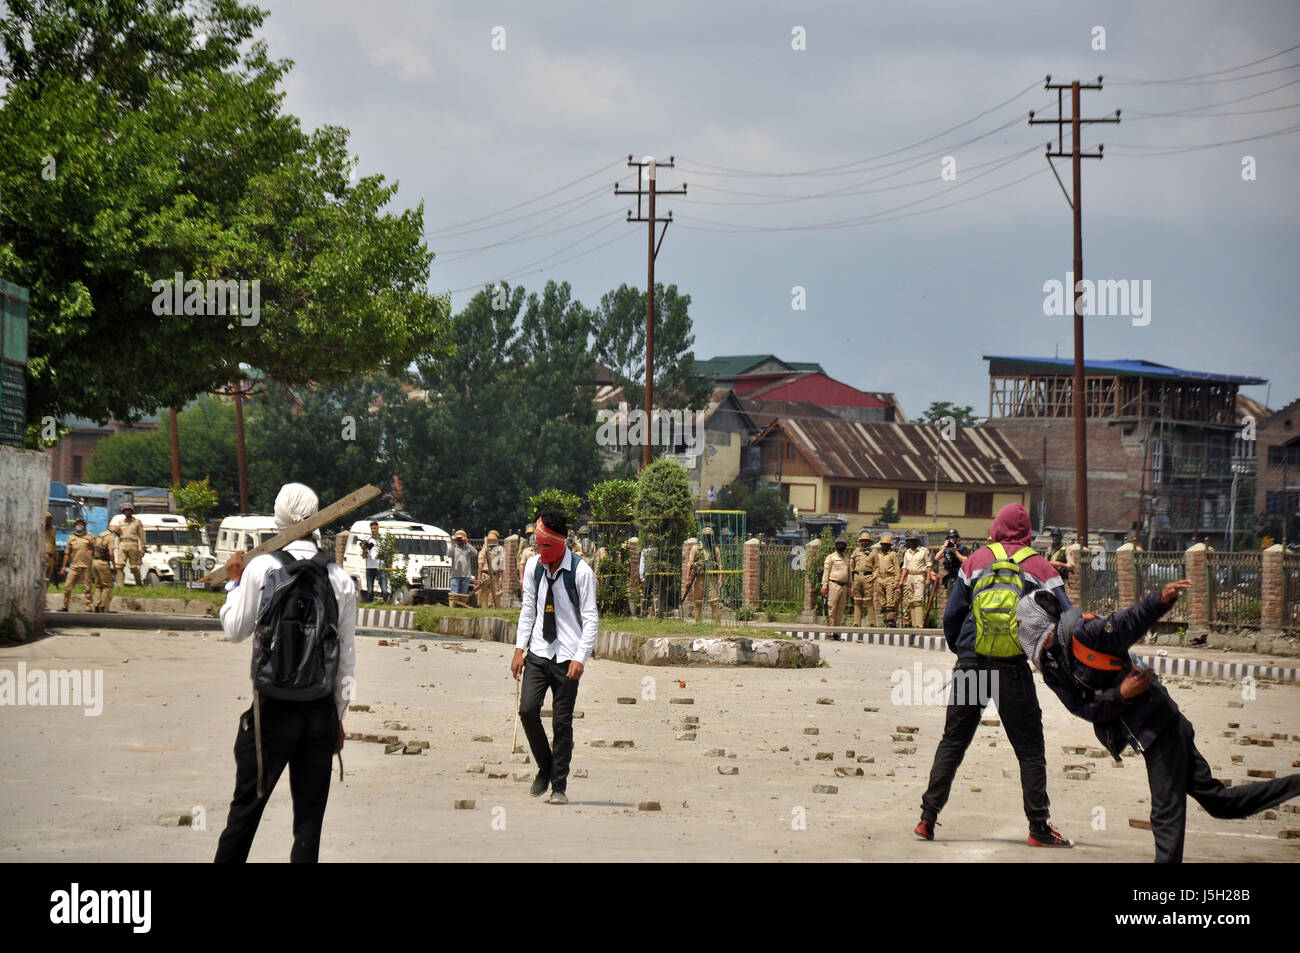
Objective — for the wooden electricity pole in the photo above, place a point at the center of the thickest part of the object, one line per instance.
(1075, 200)
(652, 252)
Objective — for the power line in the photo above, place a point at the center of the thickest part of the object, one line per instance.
(536, 198)
(521, 272)
(1174, 150)
(850, 166)
(861, 219)
(523, 236)
(1201, 115)
(1210, 82)
(1134, 81)
(579, 199)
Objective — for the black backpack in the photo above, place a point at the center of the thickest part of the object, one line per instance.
(297, 631)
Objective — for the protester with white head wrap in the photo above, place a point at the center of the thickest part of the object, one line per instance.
(294, 503)
(1036, 616)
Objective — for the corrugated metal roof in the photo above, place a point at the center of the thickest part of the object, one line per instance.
(1125, 368)
(904, 453)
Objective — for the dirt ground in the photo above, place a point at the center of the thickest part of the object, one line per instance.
(93, 788)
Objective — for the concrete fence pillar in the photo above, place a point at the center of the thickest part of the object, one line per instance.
(751, 572)
(1073, 586)
(1126, 574)
(809, 594)
(510, 564)
(1198, 597)
(1272, 590)
(633, 564)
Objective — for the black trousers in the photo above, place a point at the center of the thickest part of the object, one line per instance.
(1017, 703)
(539, 675)
(1175, 769)
(301, 735)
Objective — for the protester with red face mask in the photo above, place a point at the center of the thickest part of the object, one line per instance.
(556, 636)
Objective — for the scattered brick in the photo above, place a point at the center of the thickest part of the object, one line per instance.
(825, 756)
(681, 701)
(648, 806)
(1139, 823)
(825, 789)
(463, 805)
(627, 701)
(728, 769)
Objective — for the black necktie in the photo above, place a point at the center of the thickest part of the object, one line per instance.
(548, 614)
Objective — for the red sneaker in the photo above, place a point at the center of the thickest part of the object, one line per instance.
(925, 829)
(1047, 837)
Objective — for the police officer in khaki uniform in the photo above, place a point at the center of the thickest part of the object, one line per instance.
(490, 562)
(859, 565)
(835, 582)
(130, 544)
(1056, 554)
(77, 560)
(526, 552)
(916, 573)
(699, 561)
(51, 549)
(888, 571)
(102, 569)
(586, 546)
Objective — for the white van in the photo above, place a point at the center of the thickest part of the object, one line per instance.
(167, 543)
(239, 534)
(420, 546)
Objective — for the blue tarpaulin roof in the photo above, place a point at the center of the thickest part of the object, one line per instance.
(1129, 368)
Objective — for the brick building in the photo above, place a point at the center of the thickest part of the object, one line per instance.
(70, 457)
(831, 466)
(1278, 458)
(1165, 456)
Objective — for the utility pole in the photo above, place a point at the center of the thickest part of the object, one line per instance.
(176, 450)
(1075, 200)
(647, 171)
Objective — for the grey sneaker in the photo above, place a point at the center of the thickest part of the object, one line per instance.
(558, 797)
(540, 784)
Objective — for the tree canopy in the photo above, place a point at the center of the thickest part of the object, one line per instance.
(138, 142)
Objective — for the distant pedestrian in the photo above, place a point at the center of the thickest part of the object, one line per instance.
(464, 566)
(374, 566)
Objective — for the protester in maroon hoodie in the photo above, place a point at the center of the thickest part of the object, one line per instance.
(1005, 679)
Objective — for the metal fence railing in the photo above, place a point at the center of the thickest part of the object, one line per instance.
(781, 577)
(1234, 581)
(1101, 588)
(1291, 590)
(1155, 569)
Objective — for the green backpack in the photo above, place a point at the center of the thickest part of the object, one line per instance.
(994, 605)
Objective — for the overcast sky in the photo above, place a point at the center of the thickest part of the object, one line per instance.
(909, 301)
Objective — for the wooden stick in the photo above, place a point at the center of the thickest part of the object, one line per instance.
(514, 741)
(298, 530)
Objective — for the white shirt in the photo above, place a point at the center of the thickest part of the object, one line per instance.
(372, 554)
(570, 642)
(239, 613)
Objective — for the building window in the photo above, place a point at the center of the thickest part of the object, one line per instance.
(979, 504)
(76, 469)
(1282, 502)
(844, 499)
(1284, 456)
(789, 450)
(911, 502)
(785, 493)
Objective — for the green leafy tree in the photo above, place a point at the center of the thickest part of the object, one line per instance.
(132, 149)
(665, 511)
(508, 413)
(939, 409)
(764, 511)
(330, 437)
(206, 432)
(611, 501)
(570, 504)
(620, 345)
(888, 514)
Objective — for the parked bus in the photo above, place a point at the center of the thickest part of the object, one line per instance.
(100, 502)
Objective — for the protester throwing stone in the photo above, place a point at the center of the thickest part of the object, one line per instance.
(1086, 661)
(556, 636)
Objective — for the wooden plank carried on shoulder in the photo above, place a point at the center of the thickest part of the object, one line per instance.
(297, 530)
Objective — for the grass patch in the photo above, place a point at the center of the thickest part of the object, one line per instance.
(154, 592)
